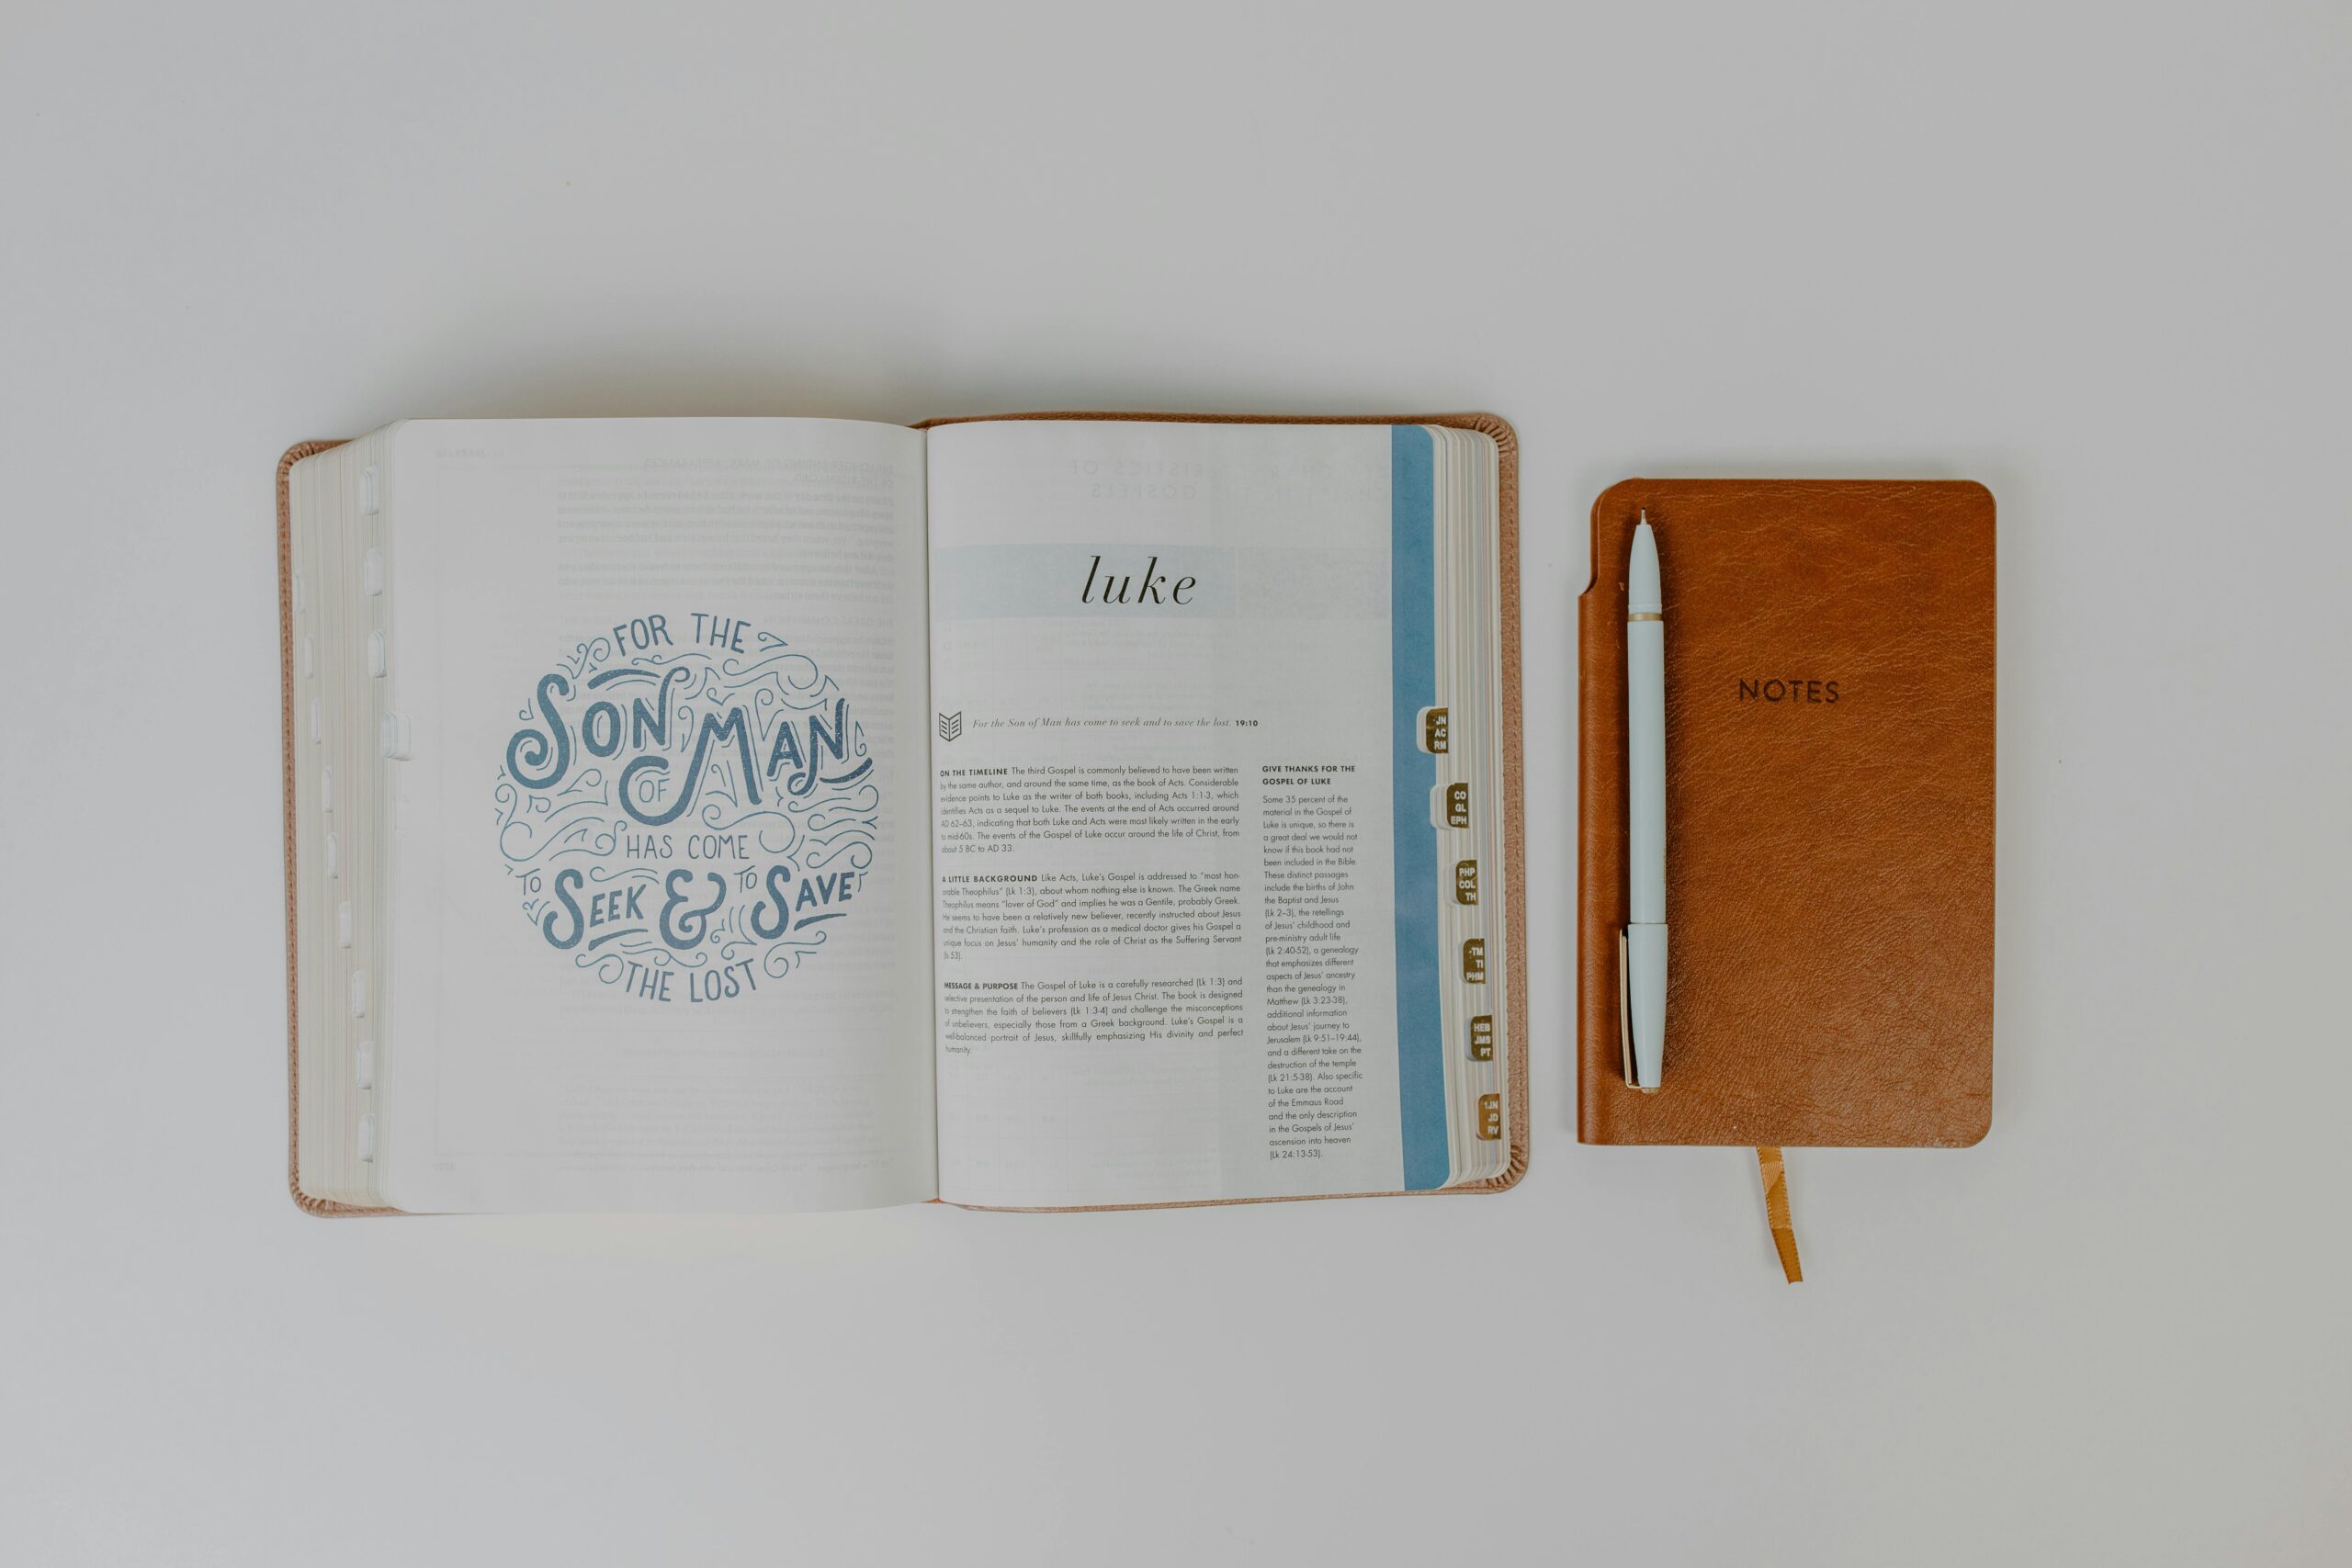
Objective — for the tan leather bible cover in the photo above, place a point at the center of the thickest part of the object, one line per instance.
(1514, 966)
(1829, 702)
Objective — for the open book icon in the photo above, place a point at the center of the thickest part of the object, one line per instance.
(951, 725)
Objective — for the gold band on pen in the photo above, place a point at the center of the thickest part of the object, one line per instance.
(1644, 615)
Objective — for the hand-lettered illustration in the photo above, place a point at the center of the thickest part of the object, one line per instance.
(687, 806)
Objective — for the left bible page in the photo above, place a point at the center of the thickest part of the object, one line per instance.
(659, 907)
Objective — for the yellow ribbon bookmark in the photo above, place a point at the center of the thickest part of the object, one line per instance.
(1776, 1212)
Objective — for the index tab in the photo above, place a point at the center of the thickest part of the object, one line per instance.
(1466, 882)
(1457, 806)
(1491, 1116)
(1473, 960)
(1482, 1038)
(1437, 731)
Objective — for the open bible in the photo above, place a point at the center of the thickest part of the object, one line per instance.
(1064, 811)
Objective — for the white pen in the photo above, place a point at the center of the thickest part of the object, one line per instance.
(1645, 807)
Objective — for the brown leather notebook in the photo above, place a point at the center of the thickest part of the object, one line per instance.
(1829, 723)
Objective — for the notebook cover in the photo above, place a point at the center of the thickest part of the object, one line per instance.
(1830, 724)
(1514, 975)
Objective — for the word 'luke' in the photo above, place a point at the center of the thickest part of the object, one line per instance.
(1135, 588)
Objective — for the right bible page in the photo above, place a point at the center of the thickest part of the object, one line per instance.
(1178, 672)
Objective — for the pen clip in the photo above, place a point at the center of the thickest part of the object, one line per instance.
(1625, 1011)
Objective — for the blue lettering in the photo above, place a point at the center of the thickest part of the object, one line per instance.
(530, 750)
(732, 727)
(780, 882)
(565, 881)
(600, 729)
(685, 930)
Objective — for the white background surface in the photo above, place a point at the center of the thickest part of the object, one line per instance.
(2094, 256)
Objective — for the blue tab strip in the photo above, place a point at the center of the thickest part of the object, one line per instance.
(1412, 607)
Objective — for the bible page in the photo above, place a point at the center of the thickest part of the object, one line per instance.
(1165, 692)
(661, 885)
